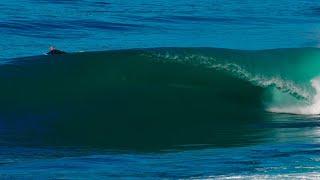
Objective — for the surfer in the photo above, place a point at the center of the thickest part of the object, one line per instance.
(54, 51)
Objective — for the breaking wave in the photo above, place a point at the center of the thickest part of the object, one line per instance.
(131, 97)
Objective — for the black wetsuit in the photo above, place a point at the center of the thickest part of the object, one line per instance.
(56, 52)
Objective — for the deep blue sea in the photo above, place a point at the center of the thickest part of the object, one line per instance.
(29, 27)
(198, 89)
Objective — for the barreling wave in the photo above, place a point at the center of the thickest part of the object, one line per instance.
(288, 76)
(236, 70)
(102, 98)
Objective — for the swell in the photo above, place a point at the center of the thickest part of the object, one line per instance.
(149, 98)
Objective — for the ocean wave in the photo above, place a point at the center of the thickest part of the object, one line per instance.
(131, 97)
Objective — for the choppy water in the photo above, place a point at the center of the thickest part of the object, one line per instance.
(160, 113)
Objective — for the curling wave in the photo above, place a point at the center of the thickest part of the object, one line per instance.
(131, 97)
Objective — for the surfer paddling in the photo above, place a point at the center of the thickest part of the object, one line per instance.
(54, 51)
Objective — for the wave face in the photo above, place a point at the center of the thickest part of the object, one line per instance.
(155, 98)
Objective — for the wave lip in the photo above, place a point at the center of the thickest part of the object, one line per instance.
(312, 109)
(280, 72)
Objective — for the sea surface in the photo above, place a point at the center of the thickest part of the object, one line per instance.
(160, 89)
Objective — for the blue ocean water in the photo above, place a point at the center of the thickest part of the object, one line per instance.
(28, 27)
(277, 146)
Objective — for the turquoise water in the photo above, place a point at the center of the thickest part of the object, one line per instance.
(159, 90)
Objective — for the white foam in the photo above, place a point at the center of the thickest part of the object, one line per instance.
(289, 176)
(312, 109)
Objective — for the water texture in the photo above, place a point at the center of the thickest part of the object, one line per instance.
(160, 90)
